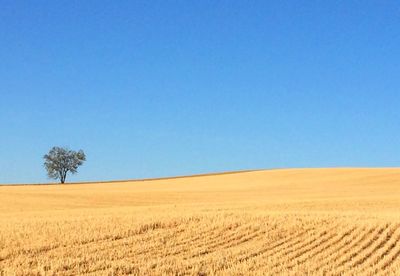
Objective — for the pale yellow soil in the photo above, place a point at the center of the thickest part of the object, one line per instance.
(297, 221)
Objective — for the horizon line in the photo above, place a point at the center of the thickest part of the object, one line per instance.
(185, 176)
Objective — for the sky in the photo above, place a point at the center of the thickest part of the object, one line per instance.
(163, 88)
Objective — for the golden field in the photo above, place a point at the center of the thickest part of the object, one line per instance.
(273, 222)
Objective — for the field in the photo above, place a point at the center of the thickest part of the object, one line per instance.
(291, 222)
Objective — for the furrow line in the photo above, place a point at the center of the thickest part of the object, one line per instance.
(349, 262)
(379, 243)
(279, 249)
(333, 253)
(387, 257)
(330, 245)
(239, 236)
(352, 246)
(274, 246)
(313, 244)
(305, 243)
(184, 248)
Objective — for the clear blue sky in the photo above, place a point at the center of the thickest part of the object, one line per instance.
(157, 88)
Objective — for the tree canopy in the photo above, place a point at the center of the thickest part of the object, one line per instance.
(61, 161)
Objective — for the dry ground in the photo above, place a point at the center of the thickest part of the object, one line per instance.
(296, 222)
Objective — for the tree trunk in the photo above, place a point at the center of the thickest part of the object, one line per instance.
(63, 176)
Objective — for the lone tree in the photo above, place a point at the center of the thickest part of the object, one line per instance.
(59, 161)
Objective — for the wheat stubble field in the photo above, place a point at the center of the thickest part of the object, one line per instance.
(276, 222)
